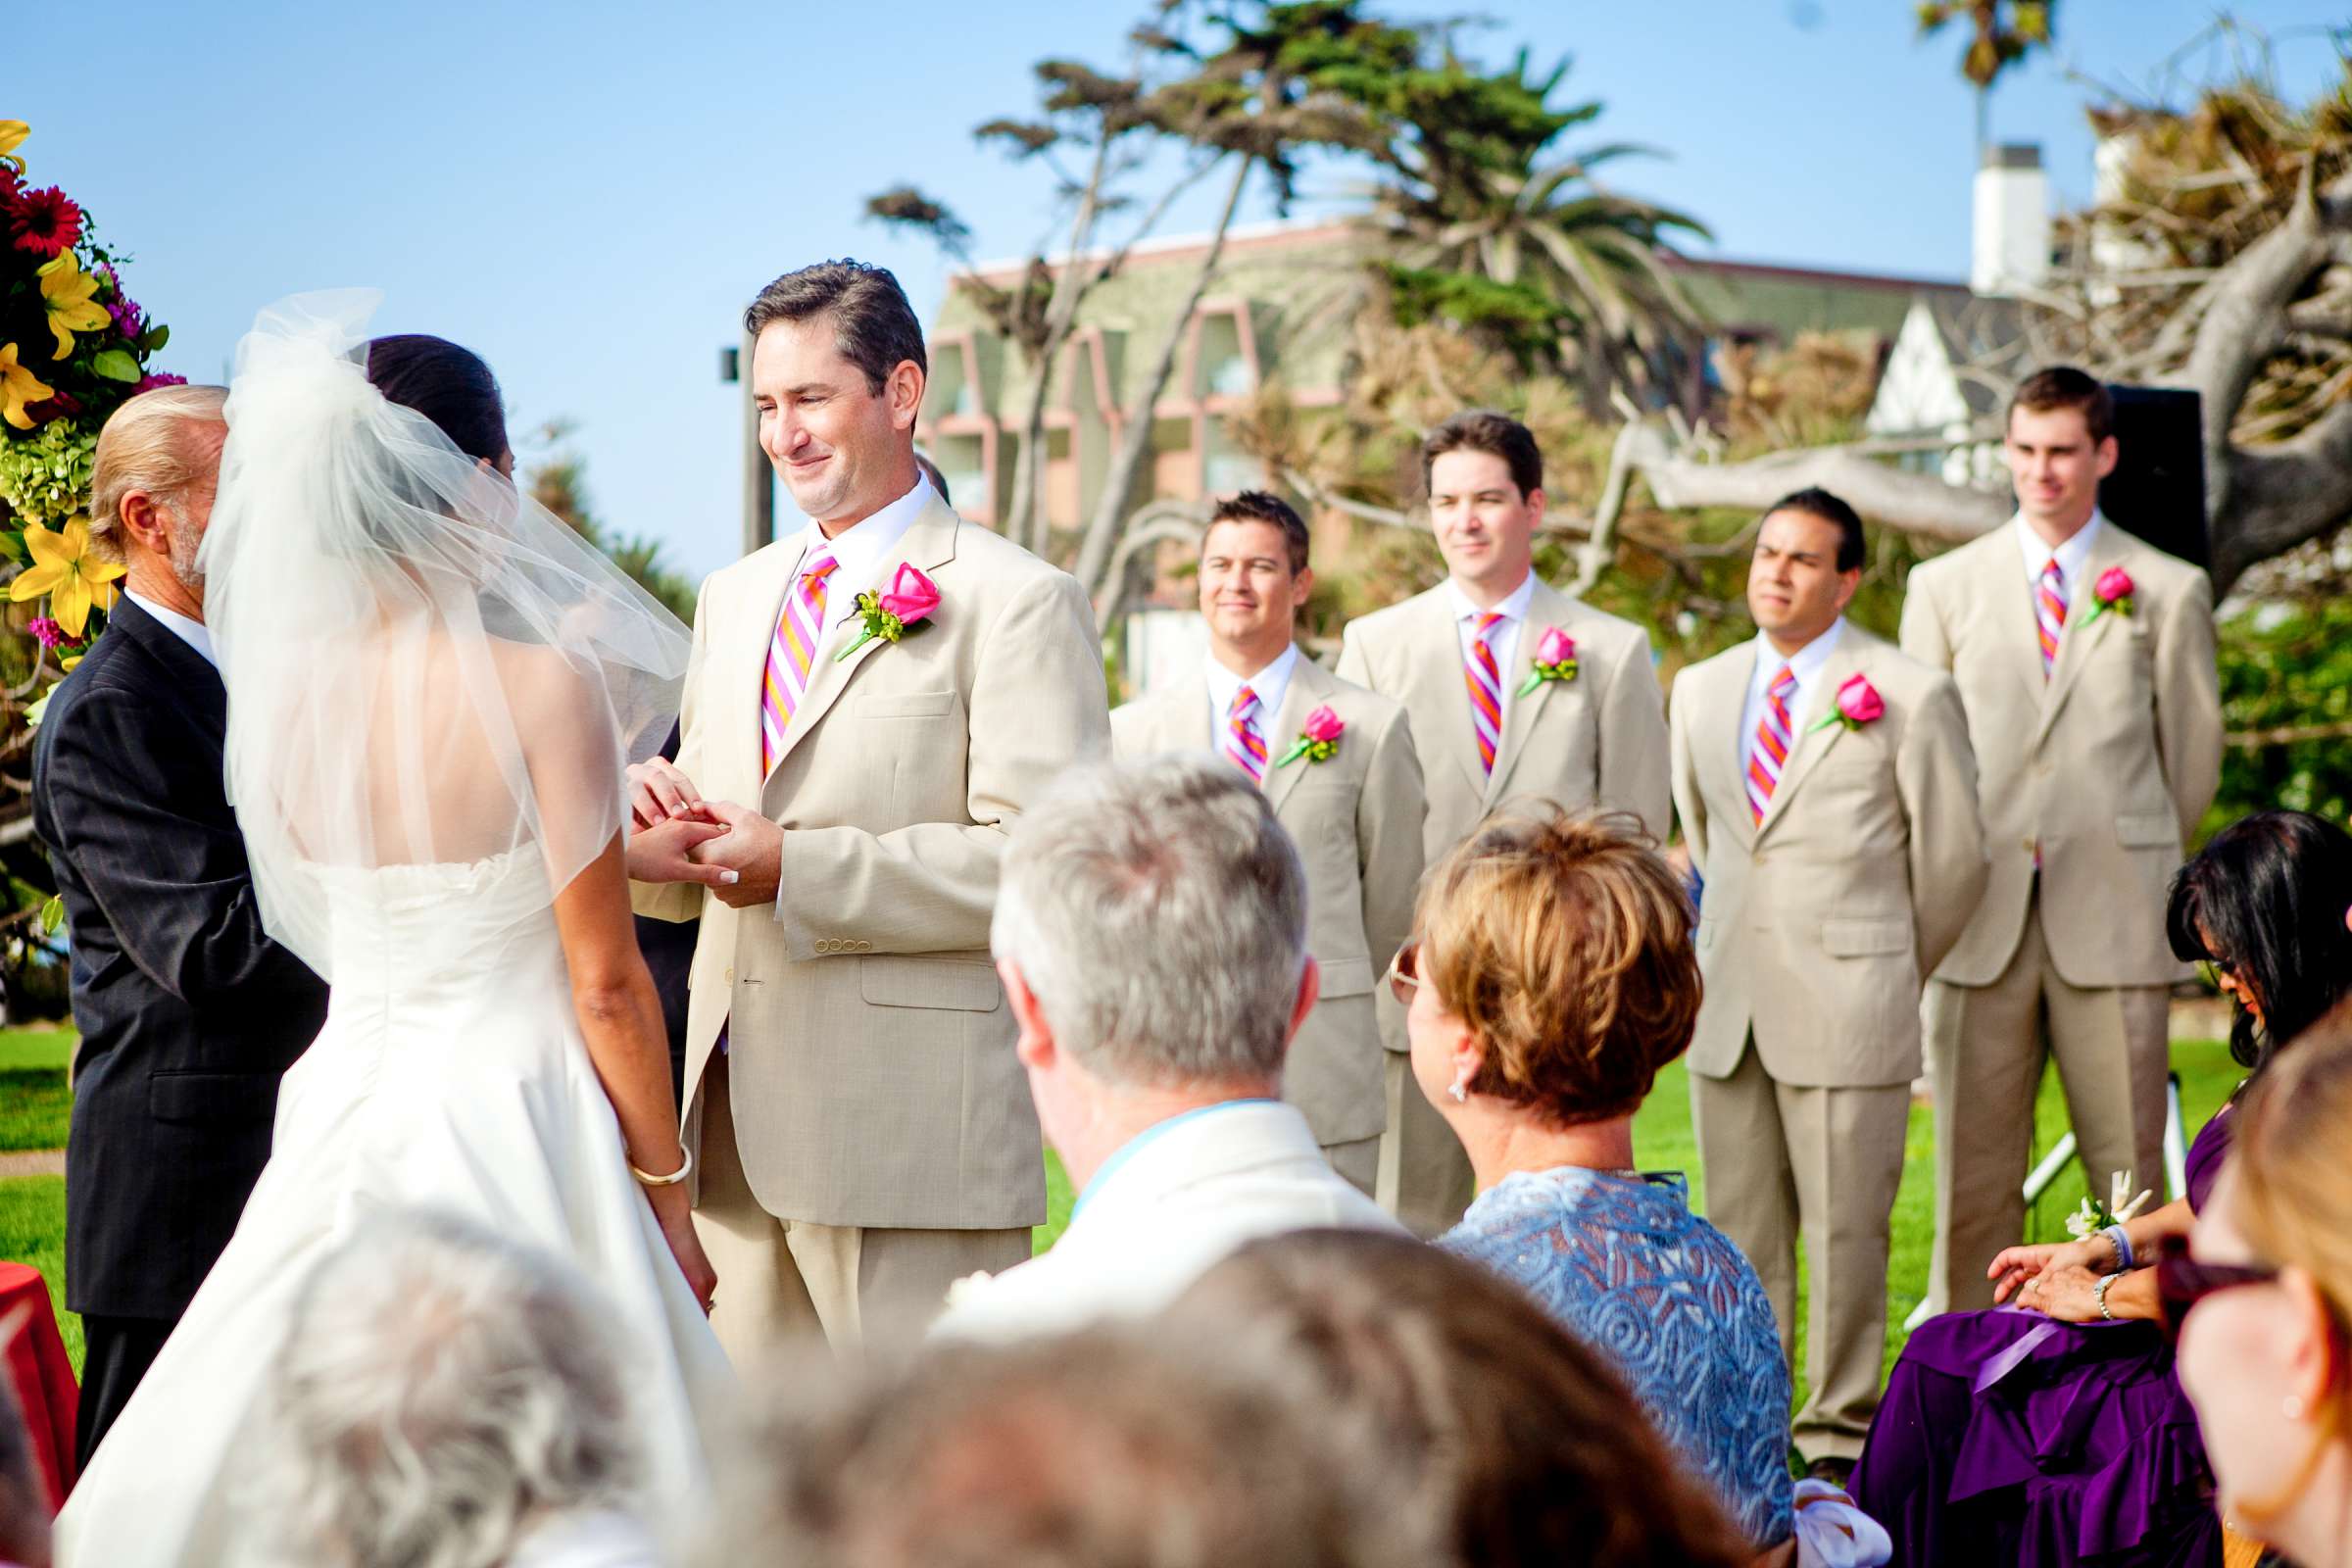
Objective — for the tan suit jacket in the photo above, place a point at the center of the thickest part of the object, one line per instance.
(870, 1065)
(1599, 737)
(2107, 765)
(1356, 819)
(1819, 926)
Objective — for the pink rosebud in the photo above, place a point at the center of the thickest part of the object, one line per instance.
(1556, 647)
(1324, 725)
(911, 597)
(1859, 701)
(2113, 583)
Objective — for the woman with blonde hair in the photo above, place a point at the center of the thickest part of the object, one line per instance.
(2267, 1358)
(1553, 976)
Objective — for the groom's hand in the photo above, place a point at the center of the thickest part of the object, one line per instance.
(662, 853)
(751, 847)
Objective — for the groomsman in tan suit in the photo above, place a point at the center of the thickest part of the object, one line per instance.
(1828, 798)
(1355, 810)
(1493, 718)
(862, 1133)
(2086, 662)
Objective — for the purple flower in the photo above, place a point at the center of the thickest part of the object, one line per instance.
(45, 631)
(154, 378)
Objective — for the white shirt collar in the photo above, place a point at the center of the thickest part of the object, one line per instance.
(859, 549)
(1512, 609)
(2071, 555)
(1805, 664)
(1271, 685)
(192, 632)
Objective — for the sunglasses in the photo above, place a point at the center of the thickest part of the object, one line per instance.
(1404, 973)
(2182, 1281)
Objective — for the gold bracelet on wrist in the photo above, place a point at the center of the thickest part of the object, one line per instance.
(685, 1169)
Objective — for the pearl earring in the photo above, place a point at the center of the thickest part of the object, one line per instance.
(2291, 1407)
(1460, 1090)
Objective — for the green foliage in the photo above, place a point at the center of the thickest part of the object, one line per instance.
(2286, 701)
(2000, 32)
(1520, 318)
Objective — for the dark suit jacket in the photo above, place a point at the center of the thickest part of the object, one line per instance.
(188, 1012)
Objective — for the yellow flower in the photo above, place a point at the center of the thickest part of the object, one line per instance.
(66, 291)
(18, 387)
(64, 569)
(11, 135)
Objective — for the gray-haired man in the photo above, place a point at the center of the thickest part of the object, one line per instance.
(1151, 932)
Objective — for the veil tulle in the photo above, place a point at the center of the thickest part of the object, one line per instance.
(426, 668)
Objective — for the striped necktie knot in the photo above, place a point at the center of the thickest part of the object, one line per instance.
(2049, 613)
(1768, 754)
(791, 651)
(1244, 746)
(1484, 677)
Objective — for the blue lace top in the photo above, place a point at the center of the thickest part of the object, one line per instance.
(1630, 1271)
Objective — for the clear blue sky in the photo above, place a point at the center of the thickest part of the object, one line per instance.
(588, 194)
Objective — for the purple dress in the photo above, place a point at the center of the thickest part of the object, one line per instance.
(2009, 1438)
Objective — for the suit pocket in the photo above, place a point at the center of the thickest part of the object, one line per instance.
(905, 705)
(956, 984)
(1346, 977)
(1864, 939)
(2148, 830)
(212, 1097)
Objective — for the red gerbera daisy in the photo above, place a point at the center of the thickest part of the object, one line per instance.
(44, 222)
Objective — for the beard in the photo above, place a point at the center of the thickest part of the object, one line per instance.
(185, 539)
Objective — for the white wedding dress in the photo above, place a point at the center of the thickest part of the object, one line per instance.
(434, 688)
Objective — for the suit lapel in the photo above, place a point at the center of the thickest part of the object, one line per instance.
(2017, 630)
(2076, 648)
(1812, 742)
(930, 544)
(1723, 707)
(1309, 687)
(1190, 725)
(1436, 668)
(1546, 609)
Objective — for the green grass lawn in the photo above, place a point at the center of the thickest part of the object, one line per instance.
(32, 1208)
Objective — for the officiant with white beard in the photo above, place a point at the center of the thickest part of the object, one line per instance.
(872, 701)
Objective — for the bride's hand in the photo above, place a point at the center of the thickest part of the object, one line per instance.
(675, 1214)
(660, 853)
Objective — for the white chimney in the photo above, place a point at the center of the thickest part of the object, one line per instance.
(2012, 236)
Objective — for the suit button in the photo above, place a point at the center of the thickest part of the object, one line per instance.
(1760, 859)
(865, 946)
(824, 945)
(2027, 846)
(731, 974)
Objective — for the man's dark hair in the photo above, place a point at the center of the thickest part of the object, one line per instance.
(2062, 386)
(1815, 502)
(873, 326)
(1258, 505)
(1485, 430)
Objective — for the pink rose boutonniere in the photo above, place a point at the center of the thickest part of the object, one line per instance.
(1858, 704)
(888, 616)
(1319, 740)
(1555, 660)
(2113, 591)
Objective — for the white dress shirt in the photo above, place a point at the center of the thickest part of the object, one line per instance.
(2073, 557)
(1503, 640)
(858, 552)
(1271, 685)
(1805, 667)
(192, 632)
(1163, 1210)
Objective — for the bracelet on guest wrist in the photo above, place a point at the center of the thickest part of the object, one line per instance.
(2121, 1241)
(2098, 1294)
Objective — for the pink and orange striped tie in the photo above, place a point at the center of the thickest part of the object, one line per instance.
(1769, 753)
(1485, 679)
(2049, 613)
(1244, 748)
(789, 653)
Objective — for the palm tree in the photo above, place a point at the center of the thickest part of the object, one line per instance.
(1491, 227)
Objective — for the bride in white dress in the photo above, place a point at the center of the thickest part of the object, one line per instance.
(434, 689)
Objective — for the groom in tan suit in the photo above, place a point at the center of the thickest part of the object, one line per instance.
(1590, 731)
(1355, 814)
(1840, 855)
(2086, 662)
(862, 1133)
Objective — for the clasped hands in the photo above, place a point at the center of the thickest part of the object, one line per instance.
(2058, 1280)
(677, 836)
